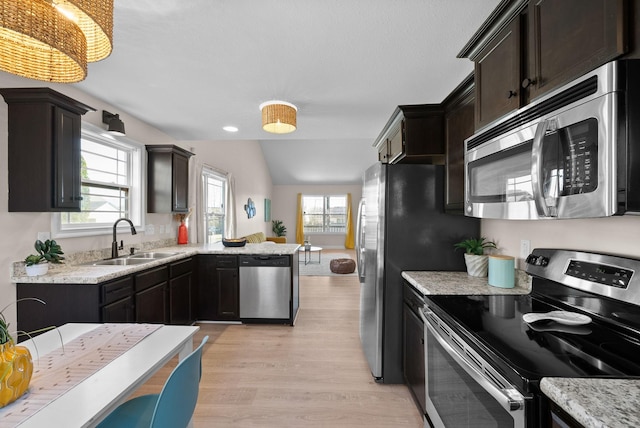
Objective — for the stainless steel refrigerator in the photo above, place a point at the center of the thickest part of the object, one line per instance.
(401, 226)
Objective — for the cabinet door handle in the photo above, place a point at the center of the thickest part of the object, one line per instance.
(528, 82)
(511, 94)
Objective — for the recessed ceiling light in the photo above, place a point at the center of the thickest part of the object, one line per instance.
(230, 128)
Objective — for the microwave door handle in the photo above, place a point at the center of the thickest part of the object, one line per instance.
(536, 169)
(509, 398)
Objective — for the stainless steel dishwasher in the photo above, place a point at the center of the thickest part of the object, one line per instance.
(265, 287)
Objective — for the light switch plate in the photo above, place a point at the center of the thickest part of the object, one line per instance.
(149, 229)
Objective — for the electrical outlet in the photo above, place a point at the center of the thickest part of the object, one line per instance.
(525, 248)
(149, 229)
(43, 236)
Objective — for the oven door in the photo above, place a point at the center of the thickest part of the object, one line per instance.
(462, 389)
(562, 165)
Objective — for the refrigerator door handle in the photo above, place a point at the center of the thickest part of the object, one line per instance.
(360, 240)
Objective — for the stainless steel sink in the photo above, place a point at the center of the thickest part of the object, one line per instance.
(135, 259)
(151, 255)
(119, 262)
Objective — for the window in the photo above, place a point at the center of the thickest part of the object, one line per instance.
(214, 187)
(111, 175)
(324, 214)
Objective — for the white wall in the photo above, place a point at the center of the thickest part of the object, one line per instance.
(284, 206)
(244, 160)
(617, 235)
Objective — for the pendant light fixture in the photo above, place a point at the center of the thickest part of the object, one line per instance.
(278, 117)
(95, 19)
(38, 42)
(52, 40)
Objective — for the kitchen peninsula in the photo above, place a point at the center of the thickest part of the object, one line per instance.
(187, 283)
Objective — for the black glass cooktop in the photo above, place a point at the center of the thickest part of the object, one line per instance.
(525, 353)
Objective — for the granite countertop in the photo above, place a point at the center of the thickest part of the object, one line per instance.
(80, 273)
(438, 282)
(613, 403)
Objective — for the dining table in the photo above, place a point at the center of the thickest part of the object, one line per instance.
(83, 371)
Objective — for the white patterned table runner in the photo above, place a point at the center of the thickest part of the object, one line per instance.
(55, 373)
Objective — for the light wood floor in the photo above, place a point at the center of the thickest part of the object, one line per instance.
(310, 375)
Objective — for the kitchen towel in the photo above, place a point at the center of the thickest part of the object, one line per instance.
(501, 271)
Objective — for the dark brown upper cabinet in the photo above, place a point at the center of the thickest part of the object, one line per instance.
(528, 47)
(571, 37)
(497, 76)
(459, 125)
(167, 179)
(413, 134)
(44, 150)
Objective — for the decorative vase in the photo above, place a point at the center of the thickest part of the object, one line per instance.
(16, 368)
(476, 265)
(183, 237)
(38, 269)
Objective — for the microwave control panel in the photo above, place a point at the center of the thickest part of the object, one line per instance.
(579, 144)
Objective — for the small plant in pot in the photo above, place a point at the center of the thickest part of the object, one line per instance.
(46, 252)
(474, 257)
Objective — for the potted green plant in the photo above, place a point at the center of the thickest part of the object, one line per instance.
(46, 252)
(278, 228)
(474, 257)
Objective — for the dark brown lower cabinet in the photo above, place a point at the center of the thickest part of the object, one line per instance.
(180, 299)
(164, 294)
(218, 288)
(120, 311)
(151, 295)
(413, 348)
(182, 292)
(151, 304)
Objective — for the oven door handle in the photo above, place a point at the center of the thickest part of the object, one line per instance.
(509, 398)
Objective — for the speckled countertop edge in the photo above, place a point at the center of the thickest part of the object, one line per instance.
(439, 282)
(82, 274)
(597, 403)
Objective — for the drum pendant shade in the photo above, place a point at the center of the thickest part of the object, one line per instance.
(95, 19)
(38, 42)
(278, 117)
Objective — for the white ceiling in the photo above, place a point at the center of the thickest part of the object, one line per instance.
(191, 67)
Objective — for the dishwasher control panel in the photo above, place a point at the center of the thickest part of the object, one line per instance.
(278, 261)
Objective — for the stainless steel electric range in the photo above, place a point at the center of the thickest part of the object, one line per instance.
(484, 363)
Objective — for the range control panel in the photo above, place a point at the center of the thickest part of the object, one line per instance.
(603, 274)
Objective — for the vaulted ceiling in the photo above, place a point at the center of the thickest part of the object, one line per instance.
(191, 67)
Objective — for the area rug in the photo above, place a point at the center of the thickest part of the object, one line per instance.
(322, 269)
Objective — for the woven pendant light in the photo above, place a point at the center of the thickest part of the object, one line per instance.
(38, 42)
(95, 19)
(278, 117)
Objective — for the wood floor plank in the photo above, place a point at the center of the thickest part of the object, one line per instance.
(311, 375)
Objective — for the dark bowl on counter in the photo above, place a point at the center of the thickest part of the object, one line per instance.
(234, 242)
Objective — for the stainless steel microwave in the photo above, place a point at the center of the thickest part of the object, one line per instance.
(573, 153)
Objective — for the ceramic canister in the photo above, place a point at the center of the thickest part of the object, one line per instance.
(501, 271)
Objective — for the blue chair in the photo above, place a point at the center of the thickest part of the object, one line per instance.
(172, 408)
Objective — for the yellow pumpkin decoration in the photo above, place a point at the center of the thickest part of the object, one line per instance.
(16, 367)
